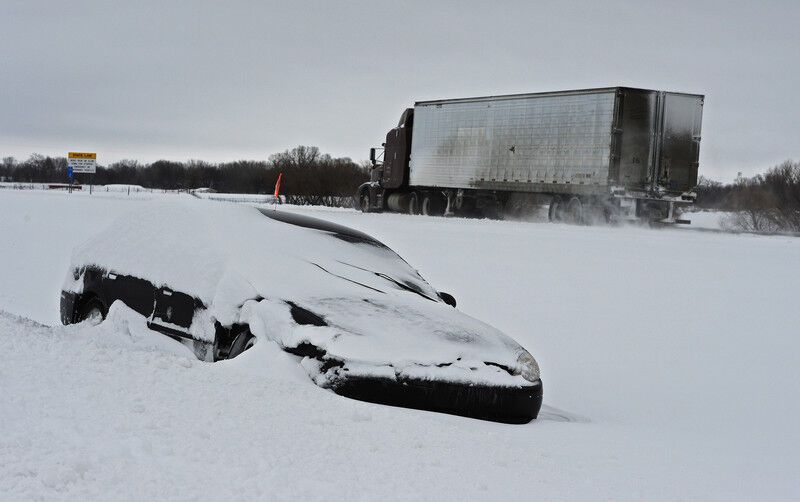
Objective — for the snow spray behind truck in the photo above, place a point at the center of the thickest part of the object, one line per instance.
(613, 153)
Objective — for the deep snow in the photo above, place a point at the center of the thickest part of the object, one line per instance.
(669, 360)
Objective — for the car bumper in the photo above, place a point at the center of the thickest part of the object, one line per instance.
(514, 405)
(68, 300)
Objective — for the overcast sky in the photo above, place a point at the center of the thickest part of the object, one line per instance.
(231, 80)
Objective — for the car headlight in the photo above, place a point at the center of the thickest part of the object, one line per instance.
(529, 368)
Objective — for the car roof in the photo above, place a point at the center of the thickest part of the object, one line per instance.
(224, 253)
(315, 223)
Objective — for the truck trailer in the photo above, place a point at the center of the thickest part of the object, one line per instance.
(615, 153)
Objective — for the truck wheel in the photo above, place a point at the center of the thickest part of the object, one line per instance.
(610, 214)
(413, 203)
(556, 211)
(575, 211)
(365, 203)
(433, 205)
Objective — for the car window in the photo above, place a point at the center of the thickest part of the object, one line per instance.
(393, 272)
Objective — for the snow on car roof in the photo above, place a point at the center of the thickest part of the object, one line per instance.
(228, 253)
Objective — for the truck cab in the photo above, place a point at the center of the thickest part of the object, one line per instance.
(389, 169)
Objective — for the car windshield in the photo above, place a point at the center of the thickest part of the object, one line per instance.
(374, 266)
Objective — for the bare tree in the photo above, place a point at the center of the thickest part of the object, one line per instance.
(765, 203)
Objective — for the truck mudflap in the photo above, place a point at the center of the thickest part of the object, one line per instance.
(671, 218)
(513, 405)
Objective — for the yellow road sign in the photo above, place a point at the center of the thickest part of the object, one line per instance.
(82, 155)
(82, 162)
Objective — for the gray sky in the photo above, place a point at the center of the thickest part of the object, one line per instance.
(230, 80)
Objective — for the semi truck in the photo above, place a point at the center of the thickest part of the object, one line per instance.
(615, 153)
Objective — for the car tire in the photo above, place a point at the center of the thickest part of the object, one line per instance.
(242, 342)
(92, 310)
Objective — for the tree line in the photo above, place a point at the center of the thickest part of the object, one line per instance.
(309, 176)
(767, 202)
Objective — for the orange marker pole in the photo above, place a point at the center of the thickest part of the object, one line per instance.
(278, 186)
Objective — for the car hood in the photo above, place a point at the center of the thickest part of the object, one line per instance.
(388, 336)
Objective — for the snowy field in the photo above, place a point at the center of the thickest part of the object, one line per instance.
(669, 360)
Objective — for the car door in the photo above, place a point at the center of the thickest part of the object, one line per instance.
(173, 312)
(137, 294)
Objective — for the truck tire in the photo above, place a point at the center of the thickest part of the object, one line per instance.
(413, 203)
(575, 211)
(556, 211)
(433, 205)
(609, 213)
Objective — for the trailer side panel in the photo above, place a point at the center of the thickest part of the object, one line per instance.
(533, 143)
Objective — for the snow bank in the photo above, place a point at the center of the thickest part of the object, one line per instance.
(122, 188)
(709, 220)
(238, 197)
(678, 347)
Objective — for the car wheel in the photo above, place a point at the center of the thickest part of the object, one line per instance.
(242, 342)
(93, 311)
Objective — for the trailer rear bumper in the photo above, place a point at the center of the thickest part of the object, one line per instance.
(660, 209)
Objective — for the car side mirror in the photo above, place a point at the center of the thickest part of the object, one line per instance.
(447, 298)
(372, 156)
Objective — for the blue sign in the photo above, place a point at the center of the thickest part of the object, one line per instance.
(69, 171)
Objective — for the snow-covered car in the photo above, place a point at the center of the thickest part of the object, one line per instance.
(220, 277)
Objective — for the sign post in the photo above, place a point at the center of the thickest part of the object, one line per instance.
(81, 163)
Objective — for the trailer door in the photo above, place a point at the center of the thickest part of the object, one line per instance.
(680, 141)
(635, 138)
